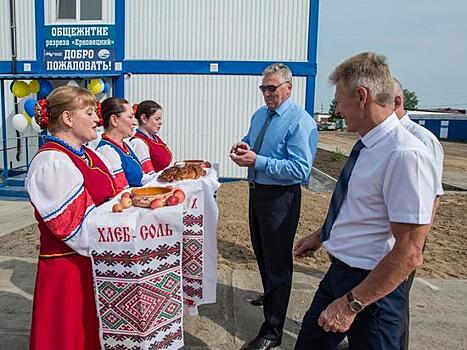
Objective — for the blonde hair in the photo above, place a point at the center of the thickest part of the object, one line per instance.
(281, 69)
(368, 70)
(65, 98)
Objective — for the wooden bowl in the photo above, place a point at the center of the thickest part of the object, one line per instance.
(143, 196)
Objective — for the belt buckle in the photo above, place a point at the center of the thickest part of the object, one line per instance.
(251, 185)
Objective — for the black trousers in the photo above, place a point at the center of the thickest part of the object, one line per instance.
(377, 327)
(273, 215)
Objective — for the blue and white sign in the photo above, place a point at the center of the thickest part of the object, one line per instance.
(88, 48)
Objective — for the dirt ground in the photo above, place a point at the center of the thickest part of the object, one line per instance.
(455, 153)
(446, 250)
(445, 254)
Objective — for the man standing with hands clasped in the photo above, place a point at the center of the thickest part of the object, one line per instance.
(378, 218)
(278, 151)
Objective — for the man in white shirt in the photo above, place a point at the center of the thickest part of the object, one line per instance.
(379, 216)
(436, 150)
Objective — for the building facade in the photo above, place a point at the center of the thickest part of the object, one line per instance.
(201, 60)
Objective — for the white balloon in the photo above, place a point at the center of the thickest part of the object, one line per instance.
(19, 122)
(35, 126)
(73, 83)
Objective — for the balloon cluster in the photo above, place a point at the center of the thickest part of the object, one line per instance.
(42, 88)
(21, 89)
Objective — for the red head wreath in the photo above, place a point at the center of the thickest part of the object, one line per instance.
(99, 113)
(40, 113)
(135, 108)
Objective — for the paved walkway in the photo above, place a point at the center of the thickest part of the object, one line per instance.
(15, 214)
(438, 310)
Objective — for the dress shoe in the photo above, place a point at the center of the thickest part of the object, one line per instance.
(259, 301)
(260, 343)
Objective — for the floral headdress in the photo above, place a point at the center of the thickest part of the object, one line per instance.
(135, 108)
(99, 113)
(40, 113)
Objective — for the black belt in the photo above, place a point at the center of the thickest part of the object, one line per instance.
(257, 186)
(337, 262)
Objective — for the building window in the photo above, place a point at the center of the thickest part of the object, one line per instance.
(66, 9)
(79, 10)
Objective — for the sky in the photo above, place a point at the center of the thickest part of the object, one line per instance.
(424, 41)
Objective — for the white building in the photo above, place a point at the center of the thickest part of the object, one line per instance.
(200, 59)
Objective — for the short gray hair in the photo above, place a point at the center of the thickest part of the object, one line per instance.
(281, 69)
(398, 89)
(369, 70)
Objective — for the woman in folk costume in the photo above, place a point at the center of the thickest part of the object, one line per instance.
(119, 121)
(65, 183)
(151, 150)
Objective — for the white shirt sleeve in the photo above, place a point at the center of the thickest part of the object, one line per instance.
(147, 177)
(56, 189)
(112, 158)
(439, 159)
(141, 150)
(114, 164)
(409, 187)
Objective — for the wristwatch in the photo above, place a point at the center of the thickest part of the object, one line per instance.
(354, 304)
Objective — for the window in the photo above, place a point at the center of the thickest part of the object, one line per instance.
(66, 9)
(80, 10)
(91, 10)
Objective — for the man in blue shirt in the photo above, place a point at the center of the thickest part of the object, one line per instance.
(278, 150)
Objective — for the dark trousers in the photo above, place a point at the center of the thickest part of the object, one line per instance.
(377, 327)
(273, 215)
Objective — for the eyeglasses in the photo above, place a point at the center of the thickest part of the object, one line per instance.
(271, 88)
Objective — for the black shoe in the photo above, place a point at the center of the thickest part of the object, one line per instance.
(259, 301)
(260, 343)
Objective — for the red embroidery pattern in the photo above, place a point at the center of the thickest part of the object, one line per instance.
(120, 181)
(147, 166)
(71, 217)
(143, 257)
(190, 220)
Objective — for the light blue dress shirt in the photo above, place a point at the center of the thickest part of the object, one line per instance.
(289, 145)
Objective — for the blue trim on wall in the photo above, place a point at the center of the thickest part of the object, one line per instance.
(202, 67)
(119, 30)
(40, 30)
(119, 83)
(5, 67)
(313, 30)
(311, 55)
(310, 94)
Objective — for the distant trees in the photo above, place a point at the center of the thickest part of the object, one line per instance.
(410, 99)
(332, 111)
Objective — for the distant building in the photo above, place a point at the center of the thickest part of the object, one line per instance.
(445, 126)
(322, 117)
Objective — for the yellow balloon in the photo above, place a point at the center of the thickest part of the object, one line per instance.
(34, 86)
(96, 86)
(20, 89)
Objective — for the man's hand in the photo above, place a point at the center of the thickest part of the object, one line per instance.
(337, 317)
(308, 245)
(244, 157)
(238, 146)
